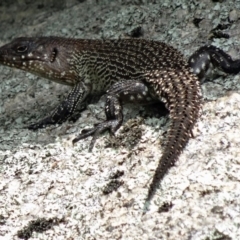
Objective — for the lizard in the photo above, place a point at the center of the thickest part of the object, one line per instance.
(125, 70)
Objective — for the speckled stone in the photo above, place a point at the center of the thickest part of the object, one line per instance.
(43, 176)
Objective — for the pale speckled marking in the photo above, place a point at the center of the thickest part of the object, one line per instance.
(132, 98)
(59, 62)
(197, 70)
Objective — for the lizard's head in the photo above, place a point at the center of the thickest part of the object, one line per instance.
(42, 56)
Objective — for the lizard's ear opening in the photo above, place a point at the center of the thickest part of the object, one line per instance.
(53, 55)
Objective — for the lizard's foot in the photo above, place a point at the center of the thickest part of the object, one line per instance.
(35, 126)
(66, 108)
(43, 123)
(111, 125)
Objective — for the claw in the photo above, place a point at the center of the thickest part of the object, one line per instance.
(36, 126)
(42, 123)
(95, 132)
(90, 132)
(84, 134)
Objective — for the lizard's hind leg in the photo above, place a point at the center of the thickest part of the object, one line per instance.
(123, 91)
(208, 58)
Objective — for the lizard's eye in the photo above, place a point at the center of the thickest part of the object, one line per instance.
(22, 48)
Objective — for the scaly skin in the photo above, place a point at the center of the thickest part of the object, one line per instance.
(127, 70)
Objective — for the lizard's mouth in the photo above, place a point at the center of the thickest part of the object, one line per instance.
(18, 62)
(24, 62)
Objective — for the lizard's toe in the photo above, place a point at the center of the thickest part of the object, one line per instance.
(111, 125)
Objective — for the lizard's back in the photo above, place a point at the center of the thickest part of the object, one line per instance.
(113, 60)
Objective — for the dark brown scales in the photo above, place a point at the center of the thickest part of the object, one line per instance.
(184, 102)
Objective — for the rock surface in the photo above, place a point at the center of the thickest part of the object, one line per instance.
(47, 182)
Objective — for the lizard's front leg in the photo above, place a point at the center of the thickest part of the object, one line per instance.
(123, 91)
(62, 112)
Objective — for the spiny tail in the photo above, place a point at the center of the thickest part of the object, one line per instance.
(183, 95)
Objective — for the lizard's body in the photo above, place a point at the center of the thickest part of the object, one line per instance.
(127, 70)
